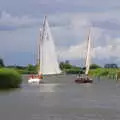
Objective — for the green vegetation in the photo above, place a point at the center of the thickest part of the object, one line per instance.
(68, 68)
(1, 63)
(72, 70)
(109, 70)
(94, 66)
(9, 78)
(29, 69)
(105, 72)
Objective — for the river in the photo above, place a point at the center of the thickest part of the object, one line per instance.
(59, 98)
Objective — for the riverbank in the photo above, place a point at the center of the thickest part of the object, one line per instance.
(9, 78)
(104, 72)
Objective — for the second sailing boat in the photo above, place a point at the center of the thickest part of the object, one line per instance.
(84, 78)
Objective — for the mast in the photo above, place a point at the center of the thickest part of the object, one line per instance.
(38, 49)
(87, 62)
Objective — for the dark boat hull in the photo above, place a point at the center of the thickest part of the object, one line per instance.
(83, 80)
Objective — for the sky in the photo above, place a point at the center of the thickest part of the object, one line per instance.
(70, 21)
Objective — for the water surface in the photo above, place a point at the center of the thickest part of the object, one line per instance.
(59, 98)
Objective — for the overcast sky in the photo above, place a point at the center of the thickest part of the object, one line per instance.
(70, 21)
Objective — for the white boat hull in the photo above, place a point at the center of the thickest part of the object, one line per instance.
(34, 80)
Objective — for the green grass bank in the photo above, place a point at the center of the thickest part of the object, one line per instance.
(9, 78)
(104, 72)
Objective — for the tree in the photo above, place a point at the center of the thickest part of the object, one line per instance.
(1, 63)
(110, 66)
(30, 67)
(65, 65)
(94, 66)
(67, 62)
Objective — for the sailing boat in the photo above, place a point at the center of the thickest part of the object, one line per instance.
(47, 59)
(84, 77)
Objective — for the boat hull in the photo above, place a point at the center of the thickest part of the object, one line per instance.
(83, 80)
(35, 81)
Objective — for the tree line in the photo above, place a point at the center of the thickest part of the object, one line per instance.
(65, 66)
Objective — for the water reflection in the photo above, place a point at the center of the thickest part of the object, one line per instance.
(48, 87)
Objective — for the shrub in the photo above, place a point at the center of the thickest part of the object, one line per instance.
(105, 72)
(9, 78)
(94, 66)
(1, 63)
(72, 71)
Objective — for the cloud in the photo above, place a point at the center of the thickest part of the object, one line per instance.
(69, 20)
(107, 52)
(110, 25)
(73, 52)
(42, 7)
(9, 22)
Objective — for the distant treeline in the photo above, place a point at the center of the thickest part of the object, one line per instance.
(29, 69)
(68, 68)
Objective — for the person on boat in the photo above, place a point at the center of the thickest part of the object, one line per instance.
(40, 76)
(79, 75)
(32, 76)
(87, 78)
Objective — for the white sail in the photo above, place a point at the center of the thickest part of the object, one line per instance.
(48, 58)
(88, 56)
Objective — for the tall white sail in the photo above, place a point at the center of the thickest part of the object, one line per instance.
(88, 56)
(48, 58)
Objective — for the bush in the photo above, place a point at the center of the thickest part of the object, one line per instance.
(105, 72)
(72, 71)
(9, 78)
(94, 66)
(1, 63)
